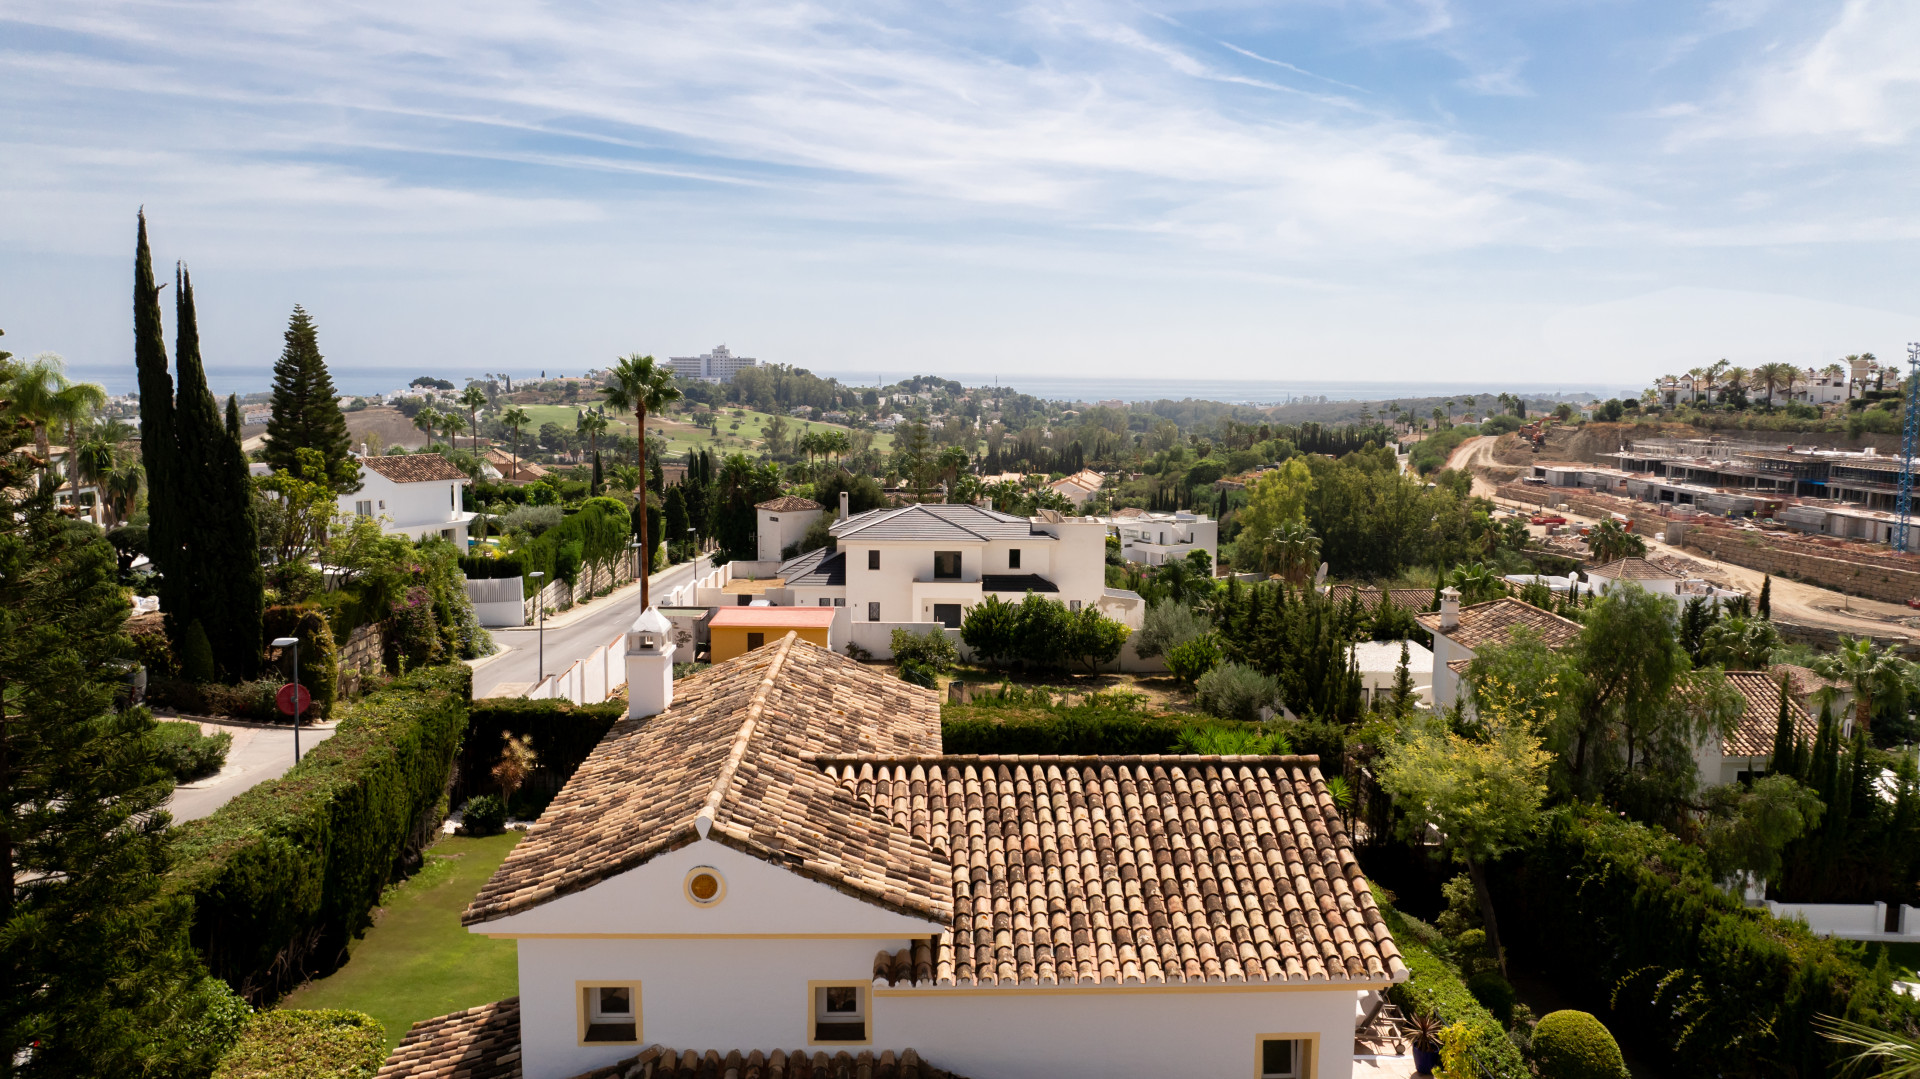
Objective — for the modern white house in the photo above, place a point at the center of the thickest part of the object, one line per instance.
(781, 872)
(1379, 664)
(1156, 538)
(1458, 631)
(415, 494)
(782, 522)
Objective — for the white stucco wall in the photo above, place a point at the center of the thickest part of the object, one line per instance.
(412, 509)
(1446, 684)
(781, 529)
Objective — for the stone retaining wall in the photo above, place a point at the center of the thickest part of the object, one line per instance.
(1842, 575)
(359, 655)
(1586, 504)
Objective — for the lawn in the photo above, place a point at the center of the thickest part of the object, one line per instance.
(417, 961)
(682, 436)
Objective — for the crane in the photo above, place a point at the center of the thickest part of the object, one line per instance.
(1903, 504)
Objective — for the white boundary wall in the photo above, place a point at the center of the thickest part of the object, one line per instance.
(499, 603)
(1851, 921)
(590, 678)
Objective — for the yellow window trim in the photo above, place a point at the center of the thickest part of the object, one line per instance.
(581, 1009)
(1309, 1067)
(865, 985)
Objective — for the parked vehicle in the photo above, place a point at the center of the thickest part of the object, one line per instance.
(1548, 519)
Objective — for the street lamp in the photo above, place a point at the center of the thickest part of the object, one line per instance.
(540, 601)
(293, 643)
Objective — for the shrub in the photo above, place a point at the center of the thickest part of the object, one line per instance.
(196, 654)
(1575, 1045)
(482, 568)
(560, 733)
(192, 755)
(1235, 692)
(1227, 741)
(282, 876)
(1435, 987)
(1494, 994)
(1168, 624)
(918, 673)
(306, 1045)
(933, 650)
(485, 815)
(1191, 660)
(155, 653)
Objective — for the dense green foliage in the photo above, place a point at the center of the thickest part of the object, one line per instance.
(190, 755)
(1435, 988)
(1431, 453)
(319, 657)
(96, 973)
(281, 876)
(1575, 1045)
(306, 1045)
(560, 733)
(306, 410)
(485, 815)
(597, 536)
(1722, 988)
(1040, 633)
(1299, 637)
(202, 534)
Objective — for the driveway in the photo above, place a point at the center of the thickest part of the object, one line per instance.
(258, 753)
(569, 636)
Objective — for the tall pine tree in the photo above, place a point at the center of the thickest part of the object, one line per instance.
(97, 974)
(223, 545)
(306, 410)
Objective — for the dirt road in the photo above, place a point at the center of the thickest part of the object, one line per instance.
(1805, 604)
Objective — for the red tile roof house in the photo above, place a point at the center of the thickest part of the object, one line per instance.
(412, 494)
(1459, 631)
(783, 866)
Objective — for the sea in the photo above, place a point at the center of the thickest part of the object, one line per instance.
(243, 380)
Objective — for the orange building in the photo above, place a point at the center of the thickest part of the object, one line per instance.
(735, 631)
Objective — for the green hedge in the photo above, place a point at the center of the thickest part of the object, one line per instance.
(319, 656)
(1622, 913)
(991, 727)
(561, 733)
(1436, 987)
(306, 1045)
(282, 876)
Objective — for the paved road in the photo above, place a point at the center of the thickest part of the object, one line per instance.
(571, 636)
(257, 755)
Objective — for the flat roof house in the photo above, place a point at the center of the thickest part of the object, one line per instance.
(735, 631)
(414, 494)
(784, 861)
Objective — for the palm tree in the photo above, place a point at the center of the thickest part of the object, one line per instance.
(642, 385)
(1609, 542)
(473, 399)
(427, 420)
(590, 425)
(515, 418)
(93, 462)
(123, 488)
(1885, 1053)
(41, 394)
(454, 424)
(1292, 550)
(1872, 675)
(1768, 375)
(1695, 374)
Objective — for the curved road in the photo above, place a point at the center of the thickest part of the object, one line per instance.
(1804, 604)
(570, 635)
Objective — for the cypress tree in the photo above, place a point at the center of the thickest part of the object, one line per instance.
(222, 549)
(1824, 764)
(594, 488)
(233, 418)
(306, 410)
(1783, 736)
(159, 449)
(1766, 598)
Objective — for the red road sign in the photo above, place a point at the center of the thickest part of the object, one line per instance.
(294, 696)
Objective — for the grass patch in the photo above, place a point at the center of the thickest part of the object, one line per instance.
(418, 961)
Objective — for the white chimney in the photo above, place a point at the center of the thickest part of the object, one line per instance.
(1449, 608)
(986, 503)
(845, 498)
(649, 664)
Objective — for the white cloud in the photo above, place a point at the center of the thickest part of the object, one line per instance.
(1858, 80)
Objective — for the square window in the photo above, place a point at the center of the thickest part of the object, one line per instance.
(873, 612)
(839, 1012)
(755, 640)
(1073, 605)
(1282, 1057)
(1013, 558)
(946, 565)
(825, 602)
(873, 561)
(839, 601)
(609, 1013)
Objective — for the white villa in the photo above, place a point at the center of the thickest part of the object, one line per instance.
(1156, 538)
(1458, 631)
(781, 873)
(416, 494)
(1079, 487)
(782, 522)
(1748, 751)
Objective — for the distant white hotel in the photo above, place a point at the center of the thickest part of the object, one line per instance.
(719, 365)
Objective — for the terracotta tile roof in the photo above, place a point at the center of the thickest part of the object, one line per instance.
(1635, 569)
(657, 1060)
(503, 463)
(1805, 683)
(1492, 623)
(479, 1043)
(484, 1043)
(788, 504)
(1407, 599)
(1146, 869)
(725, 760)
(413, 468)
(1459, 666)
(1754, 737)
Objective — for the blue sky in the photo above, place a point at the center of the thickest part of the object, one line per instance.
(1544, 191)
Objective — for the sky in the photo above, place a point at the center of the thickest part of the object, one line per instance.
(1553, 191)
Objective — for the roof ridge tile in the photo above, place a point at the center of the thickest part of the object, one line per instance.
(703, 820)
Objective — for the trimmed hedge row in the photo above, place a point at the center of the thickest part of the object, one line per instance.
(1620, 912)
(282, 876)
(1092, 729)
(560, 732)
(306, 1045)
(1436, 987)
